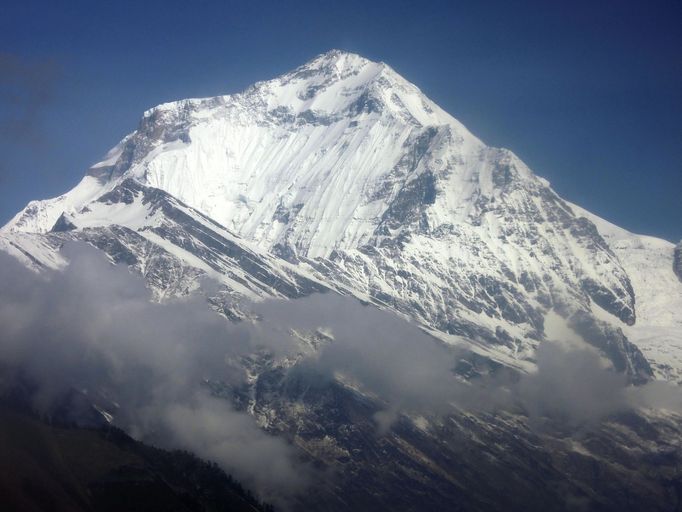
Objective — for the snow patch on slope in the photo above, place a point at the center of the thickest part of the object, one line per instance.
(658, 294)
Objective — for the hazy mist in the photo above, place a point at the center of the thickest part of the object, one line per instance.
(92, 328)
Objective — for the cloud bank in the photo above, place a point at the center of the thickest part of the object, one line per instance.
(92, 328)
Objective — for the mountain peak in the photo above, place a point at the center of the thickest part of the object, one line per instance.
(333, 84)
(335, 73)
(340, 59)
(340, 83)
(344, 165)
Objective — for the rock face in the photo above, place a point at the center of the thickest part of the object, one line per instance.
(174, 247)
(484, 462)
(343, 176)
(343, 167)
(677, 261)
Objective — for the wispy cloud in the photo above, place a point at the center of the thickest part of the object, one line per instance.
(93, 328)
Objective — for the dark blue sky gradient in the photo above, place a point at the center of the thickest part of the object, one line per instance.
(588, 94)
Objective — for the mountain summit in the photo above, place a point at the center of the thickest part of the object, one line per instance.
(342, 177)
(341, 174)
(305, 142)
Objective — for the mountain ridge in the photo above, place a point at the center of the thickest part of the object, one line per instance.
(321, 181)
(346, 171)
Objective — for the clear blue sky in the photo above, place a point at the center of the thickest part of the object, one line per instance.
(589, 94)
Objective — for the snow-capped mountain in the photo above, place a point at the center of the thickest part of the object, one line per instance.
(343, 172)
(342, 176)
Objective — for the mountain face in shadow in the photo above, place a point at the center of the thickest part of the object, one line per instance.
(59, 468)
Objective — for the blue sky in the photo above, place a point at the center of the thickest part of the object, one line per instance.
(588, 94)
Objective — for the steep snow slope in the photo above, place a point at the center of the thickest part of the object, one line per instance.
(650, 263)
(341, 175)
(313, 143)
(346, 170)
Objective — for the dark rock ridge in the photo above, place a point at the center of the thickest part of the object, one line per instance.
(464, 461)
(168, 274)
